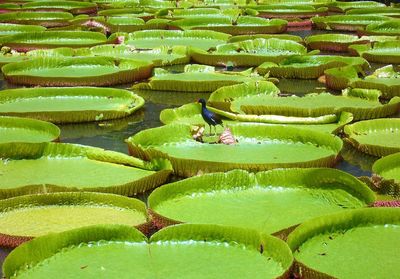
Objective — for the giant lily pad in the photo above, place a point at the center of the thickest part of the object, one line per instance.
(7, 29)
(391, 27)
(242, 25)
(259, 147)
(334, 42)
(23, 218)
(149, 39)
(158, 56)
(309, 67)
(378, 137)
(191, 114)
(347, 240)
(380, 52)
(46, 19)
(15, 129)
(74, 7)
(385, 79)
(195, 78)
(69, 104)
(362, 103)
(108, 250)
(56, 167)
(289, 37)
(386, 11)
(146, 14)
(314, 3)
(289, 11)
(52, 39)
(347, 22)
(179, 13)
(271, 202)
(75, 71)
(346, 6)
(249, 53)
(388, 167)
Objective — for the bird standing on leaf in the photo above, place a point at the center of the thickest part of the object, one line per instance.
(209, 117)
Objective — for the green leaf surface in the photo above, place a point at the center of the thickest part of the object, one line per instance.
(259, 147)
(16, 129)
(196, 78)
(378, 137)
(37, 215)
(388, 167)
(68, 105)
(193, 249)
(249, 52)
(269, 201)
(67, 167)
(352, 240)
(310, 66)
(158, 56)
(7, 29)
(149, 39)
(391, 28)
(75, 71)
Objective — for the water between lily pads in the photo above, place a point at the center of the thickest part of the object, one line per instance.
(111, 134)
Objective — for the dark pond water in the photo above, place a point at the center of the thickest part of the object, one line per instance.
(111, 134)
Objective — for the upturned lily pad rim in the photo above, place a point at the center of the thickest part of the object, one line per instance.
(70, 199)
(129, 71)
(286, 178)
(28, 123)
(159, 169)
(142, 145)
(43, 247)
(386, 163)
(73, 116)
(341, 222)
(372, 126)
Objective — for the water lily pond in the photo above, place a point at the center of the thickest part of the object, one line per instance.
(199, 139)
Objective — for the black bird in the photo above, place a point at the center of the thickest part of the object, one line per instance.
(210, 117)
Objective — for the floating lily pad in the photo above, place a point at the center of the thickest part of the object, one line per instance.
(380, 52)
(104, 250)
(386, 11)
(242, 25)
(362, 103)
(15, 129)
(76, 71)
(52, 39)
(146, 14)
(249, 53)
(388, 167)
(46, 19)
(347, 240)
(334, 42)
(7, 29)
(69, 104)
(149, 39)
(259, 147)
(390, 28)
(309, 67)
(347, 22)
(56, 167)
(74, 7)
(23, 218)
(378, 137)
(385, 79)
(271, 202)
(289, 11)
(190, 114)
(195, 78)
(346, 6)
(314, 3)
(158, 56)
(179, 13)
(289, 37)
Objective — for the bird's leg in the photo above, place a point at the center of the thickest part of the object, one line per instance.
(210, 130)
